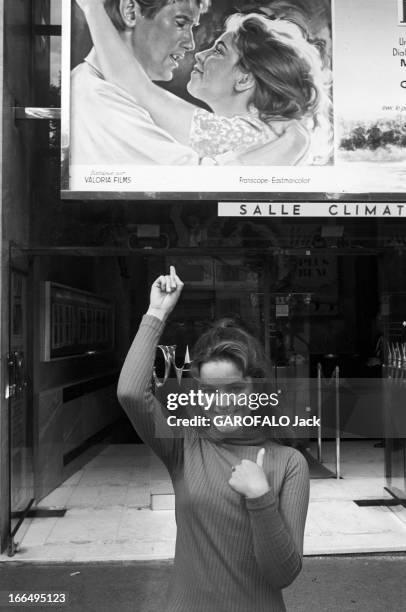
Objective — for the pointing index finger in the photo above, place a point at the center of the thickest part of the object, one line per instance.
(260, 457)
(175, 278)
(172, 276)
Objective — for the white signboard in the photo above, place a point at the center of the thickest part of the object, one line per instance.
(371, 210)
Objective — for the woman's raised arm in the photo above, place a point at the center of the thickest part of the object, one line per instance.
(120, 67)
(134, 387)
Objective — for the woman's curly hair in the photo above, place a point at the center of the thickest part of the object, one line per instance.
(291, 81)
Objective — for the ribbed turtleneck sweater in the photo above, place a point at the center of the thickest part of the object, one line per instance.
(233, 554)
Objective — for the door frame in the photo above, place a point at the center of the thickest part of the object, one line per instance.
(22, 269)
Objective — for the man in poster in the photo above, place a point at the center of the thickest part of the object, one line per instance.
(261, 109)
(108, 126)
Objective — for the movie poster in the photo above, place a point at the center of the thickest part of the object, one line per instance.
(235, 99)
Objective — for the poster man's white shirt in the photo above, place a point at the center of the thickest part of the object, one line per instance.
(109, 127)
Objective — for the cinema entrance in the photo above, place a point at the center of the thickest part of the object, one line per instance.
(319, 296)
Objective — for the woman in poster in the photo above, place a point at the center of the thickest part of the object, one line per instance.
(263, 80)
(241, 498)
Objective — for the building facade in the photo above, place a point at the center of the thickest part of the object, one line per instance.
(320, 293)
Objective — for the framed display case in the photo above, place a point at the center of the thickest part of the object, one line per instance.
(74, 322)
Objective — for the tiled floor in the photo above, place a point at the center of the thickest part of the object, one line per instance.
(109, 512)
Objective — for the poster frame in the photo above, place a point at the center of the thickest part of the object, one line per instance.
(161, 196)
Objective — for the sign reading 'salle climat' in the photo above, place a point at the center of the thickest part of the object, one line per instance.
(199, 98)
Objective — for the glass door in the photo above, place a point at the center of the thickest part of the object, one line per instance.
(393, 349)
(20, 413)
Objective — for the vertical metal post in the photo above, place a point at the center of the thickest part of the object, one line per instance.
(266, 279)
(319, 456)
(338, 440)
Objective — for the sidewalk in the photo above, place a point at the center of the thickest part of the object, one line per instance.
(327, 584)
(109, 516)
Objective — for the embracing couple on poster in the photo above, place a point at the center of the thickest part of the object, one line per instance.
(262, 79)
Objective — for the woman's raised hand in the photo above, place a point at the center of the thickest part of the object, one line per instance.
(165, 292)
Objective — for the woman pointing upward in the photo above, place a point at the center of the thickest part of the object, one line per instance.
(240, 498)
